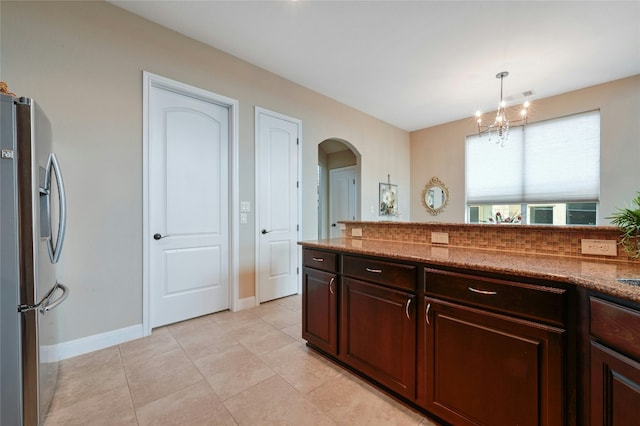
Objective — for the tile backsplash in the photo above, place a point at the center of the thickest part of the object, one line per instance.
(552, 240)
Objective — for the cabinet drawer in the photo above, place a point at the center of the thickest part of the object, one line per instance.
(535, 302)
(388, 273)
(617, 326)
(322, 260)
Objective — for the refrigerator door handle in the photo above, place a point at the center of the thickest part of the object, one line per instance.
(45, 305)
(54, 168)
(48, 305)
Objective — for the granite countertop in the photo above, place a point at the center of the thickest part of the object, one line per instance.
(592, 274)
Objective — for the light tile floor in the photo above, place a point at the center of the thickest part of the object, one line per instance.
(244, 368)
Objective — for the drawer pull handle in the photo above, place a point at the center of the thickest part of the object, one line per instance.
(406, 309)
(490, 293)
(333, 279)
(318, 259)
(374, 271)
(426, 314)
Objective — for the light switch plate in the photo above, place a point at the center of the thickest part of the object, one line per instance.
(601, 247)
(245, 206)
(439, 238)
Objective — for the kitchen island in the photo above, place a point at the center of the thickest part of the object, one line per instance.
(478, 336)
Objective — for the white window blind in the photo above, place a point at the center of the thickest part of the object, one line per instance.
(551, 161)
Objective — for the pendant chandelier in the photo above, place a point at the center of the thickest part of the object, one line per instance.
(500, 126)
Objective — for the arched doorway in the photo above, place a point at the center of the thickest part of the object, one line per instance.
(338, 185)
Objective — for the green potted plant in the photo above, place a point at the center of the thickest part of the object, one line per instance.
(628, 221)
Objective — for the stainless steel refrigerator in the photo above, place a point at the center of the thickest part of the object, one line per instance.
(32, 229)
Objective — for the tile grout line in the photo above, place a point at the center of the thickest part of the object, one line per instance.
(126, 377)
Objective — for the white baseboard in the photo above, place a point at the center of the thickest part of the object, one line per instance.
(64, 350)
(246, 303)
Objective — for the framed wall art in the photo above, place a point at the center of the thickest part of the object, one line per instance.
(388, 199)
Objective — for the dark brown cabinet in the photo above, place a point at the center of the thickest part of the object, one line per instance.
(320, 287)
(378, 334)
(378, 321)
(615, 370)
(615, 388)
(469, 347)
(362, 312)
(482, 366)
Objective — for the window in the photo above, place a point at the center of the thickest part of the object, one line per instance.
(474, 214)
(581, 213)
(541, 215)
(547, 173)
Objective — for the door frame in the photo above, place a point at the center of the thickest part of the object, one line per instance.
(152, 80)
(324, 187)
(258, 111)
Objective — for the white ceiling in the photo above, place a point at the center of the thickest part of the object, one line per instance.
(416, 64)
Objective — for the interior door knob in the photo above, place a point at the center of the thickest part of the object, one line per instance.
(157, 236)
(264, 231)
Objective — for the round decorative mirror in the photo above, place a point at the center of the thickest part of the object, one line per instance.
(435, 196)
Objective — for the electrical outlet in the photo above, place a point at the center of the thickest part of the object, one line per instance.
(356, 232)
(439, 238)
(601, 247)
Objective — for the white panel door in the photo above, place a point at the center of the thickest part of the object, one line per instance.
(277, 196)
(188, 203)
(342, 197)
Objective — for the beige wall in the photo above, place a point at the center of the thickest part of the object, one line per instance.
(83, 63)
(440, 150)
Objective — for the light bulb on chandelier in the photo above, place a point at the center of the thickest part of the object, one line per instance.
(501, 124)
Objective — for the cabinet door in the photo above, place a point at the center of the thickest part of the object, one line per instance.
(615, 388)
(378, 334)
(489, 369)
(320, 309)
